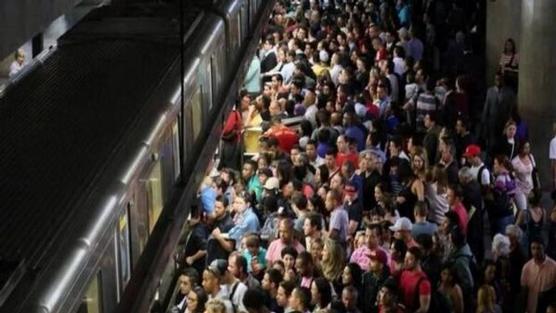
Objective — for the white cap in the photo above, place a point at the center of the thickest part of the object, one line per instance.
(272, 183)
(403, 223)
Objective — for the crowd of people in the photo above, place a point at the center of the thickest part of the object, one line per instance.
(403, 188)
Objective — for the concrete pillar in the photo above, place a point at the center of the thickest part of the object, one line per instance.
(537, 78)
(503, 21)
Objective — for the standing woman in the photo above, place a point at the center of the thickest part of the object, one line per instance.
(333, 262)
(509, 63)
(523, 164)
(413, 190)
(508, 145)
(450, 288)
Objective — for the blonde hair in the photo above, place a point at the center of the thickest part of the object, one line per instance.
(215, 306)
(486, 299)
(421, 153)
(333, 267)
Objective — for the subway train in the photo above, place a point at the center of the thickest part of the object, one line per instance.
(104, 141)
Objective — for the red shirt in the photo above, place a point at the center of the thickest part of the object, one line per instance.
(408, 287)
(462, 216)
(233, 123)
(287, 138)
(341, 158)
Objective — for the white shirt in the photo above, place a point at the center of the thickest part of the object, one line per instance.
(287, 72)
(552, 153)
(399, 65)
(485, 175)
(237, 298)
(311, 115)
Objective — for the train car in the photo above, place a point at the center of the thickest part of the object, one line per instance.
(102, 147)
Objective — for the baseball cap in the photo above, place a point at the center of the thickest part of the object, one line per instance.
(472, 151)
(218, 267)
(402, 223)
(378, 255)
(272, 183)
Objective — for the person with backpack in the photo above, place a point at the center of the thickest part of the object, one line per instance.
(415, 287)
(463, 262)
(500, 200)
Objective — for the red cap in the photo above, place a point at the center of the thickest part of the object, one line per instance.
(378, 255)
(472, 151)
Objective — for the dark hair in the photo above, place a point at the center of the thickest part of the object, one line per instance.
(202, 298)
(458, 191)
(315, 219)
(254, 300)
(400, 246)
(221, 198)
(510, 40)
(193, 275)
(317, 203)
(325, 292)
(288, 286)
(416, 252)
(356, 274)
(324, 173)
(425, 241)
(304, 295)
(504, 161)
(453, 218)
(305, 257)
(275, 276)
(289, 250)
(240, 261)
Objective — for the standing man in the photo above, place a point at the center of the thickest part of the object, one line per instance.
(538, 275)
(339, 220)
(499, 104)
(414, 283)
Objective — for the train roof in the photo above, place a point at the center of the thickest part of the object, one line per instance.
(62, 122)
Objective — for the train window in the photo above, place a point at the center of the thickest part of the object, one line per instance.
(154, 190)
(124, 264)
(176, 150)
(92, 302)
(196, 114)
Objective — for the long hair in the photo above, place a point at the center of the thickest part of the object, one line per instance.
(333, 266)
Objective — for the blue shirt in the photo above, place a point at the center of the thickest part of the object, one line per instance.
(404, 15)
(247, 222)
(208, 199)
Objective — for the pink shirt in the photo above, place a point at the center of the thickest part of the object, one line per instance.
(538, 278)
(274, 252)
